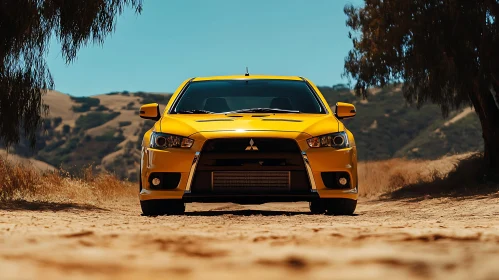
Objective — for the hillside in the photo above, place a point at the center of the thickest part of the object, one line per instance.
(16, 159)
(105, 130)
(386, 126)
(101, 130)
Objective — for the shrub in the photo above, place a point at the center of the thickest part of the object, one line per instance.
(125, 123)
(54, 145)
(72, 144)
(129, 106)
(101, 108)
(91, 101)
(153, 98)
(86, 103)
(109, 136)
(81, 109)
(66, 129)
(57, 121)
(94, 119)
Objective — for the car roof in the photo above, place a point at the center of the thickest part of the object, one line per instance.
(250, 77)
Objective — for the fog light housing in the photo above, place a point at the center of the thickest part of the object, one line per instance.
(338, 180)
(342, 181)
(156, 181)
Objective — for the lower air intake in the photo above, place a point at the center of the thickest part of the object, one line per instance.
(250, 181)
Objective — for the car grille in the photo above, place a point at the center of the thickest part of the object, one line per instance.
(250, 180)
(250, 165)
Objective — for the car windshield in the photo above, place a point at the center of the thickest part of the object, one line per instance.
(248, 96)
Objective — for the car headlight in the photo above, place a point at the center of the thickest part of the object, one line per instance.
(337, 140)
(165, 141)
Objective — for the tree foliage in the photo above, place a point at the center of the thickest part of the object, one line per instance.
(445, 52)
(26, 28)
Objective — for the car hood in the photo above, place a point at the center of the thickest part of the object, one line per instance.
(185, 125)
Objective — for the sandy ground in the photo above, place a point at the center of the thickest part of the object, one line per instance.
(440, 238)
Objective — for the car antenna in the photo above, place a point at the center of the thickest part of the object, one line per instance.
(247, 73)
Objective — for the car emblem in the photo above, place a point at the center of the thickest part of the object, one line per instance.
(251, 147)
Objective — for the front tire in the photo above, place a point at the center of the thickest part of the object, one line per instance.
(317, 206)
(340, 206)
(162, 207)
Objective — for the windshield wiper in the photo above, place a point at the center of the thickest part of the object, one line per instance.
(262, 110)
(194, 112)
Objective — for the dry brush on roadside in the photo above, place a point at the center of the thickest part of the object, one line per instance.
(19, 181)
(401, 178)
(394, 178)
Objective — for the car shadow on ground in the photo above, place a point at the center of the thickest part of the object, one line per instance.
(466, 180)
(250, 213)
(247, 212)
(23, 205)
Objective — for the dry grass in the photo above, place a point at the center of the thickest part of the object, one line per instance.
(393, 178)
(466, 178)
(379, 177)
(19, 181)
(402, 178)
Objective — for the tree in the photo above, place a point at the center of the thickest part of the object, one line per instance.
(445, 52)
(66, 129)
(26, 28)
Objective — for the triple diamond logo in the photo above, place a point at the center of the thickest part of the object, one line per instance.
(251, 146)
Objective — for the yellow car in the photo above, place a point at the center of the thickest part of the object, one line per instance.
(248, 139)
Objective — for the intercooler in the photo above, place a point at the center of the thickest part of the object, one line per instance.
(234, 181)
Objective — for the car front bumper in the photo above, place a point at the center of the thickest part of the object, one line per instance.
(184, 161)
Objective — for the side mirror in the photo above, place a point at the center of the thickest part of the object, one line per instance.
(344, 110)
(150, 111)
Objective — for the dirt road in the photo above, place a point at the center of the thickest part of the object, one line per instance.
(446, 238)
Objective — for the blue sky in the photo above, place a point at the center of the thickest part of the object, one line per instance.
(173, 40)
